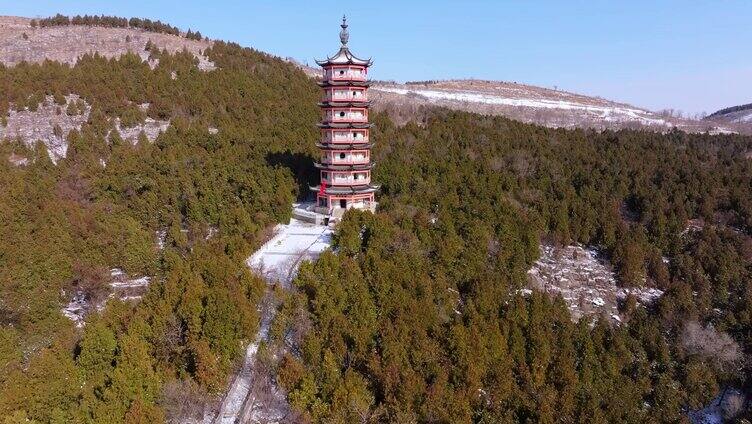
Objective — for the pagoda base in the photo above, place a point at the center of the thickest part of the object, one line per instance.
(338, 211)
(322, 215)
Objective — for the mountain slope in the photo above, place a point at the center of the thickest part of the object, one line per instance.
(742, 113)
(416, 315)
(20, 41)
(526, 103)
(737, 117)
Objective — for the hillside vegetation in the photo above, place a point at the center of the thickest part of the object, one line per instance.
(416, 315)
(63, 227)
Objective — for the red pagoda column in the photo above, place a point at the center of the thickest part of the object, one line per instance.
(345, 162)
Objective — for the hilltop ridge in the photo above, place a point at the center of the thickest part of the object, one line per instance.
(526, 103)
(739, 117)
(22, 40)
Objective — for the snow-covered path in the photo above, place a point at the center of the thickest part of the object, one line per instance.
(277, 261)
(279, 258)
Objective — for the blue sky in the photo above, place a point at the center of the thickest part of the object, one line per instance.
(690, 55)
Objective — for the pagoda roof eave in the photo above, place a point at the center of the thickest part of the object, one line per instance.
(344, 57)
(354, 125)
(364, 189)
(348, 83)
(340, 104)
(331, 167)
(344, 146)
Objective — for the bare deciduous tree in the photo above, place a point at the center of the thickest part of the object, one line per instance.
(184, 401)
(717, 347)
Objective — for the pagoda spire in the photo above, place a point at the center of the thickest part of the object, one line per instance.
(344, 36)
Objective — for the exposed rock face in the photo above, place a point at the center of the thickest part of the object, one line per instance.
(20, 42)
(150, 127)
(50, 124)
(30, 126)
(585, 280)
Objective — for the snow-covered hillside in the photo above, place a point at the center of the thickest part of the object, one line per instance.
(526, 103)
(738, 118)
(552, 108)
(741, 116)
(588, 110)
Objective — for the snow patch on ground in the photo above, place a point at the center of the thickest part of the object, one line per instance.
(729, 403)
(18, 160)
(121, 286)
(585, 280)
(161, 236)
(279, 258)
(77, 309)
(241, 385)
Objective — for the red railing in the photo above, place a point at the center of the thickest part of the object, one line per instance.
(327, 160)
(348, 182)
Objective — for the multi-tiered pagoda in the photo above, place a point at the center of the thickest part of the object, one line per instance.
(345, 162)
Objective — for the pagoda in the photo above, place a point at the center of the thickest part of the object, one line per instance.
(345, 162)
